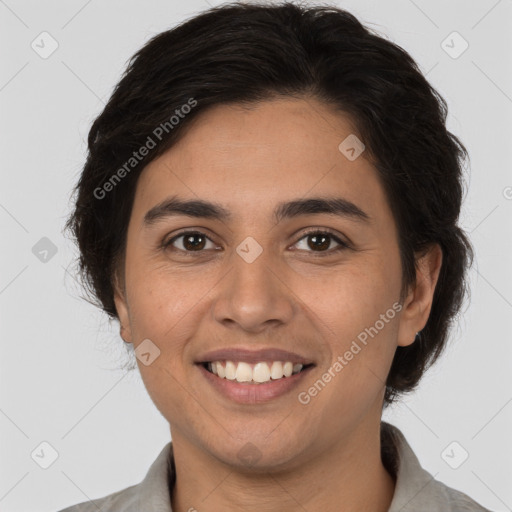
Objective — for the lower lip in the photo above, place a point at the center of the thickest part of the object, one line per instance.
(253, 393)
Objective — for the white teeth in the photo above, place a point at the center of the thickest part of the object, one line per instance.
(258, 373)
(261, 372)
(221, 372)
(230, 370)
(243, 373)
(276, 372)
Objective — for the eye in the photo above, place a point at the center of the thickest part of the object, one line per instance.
(317, 240)
(190, 241)
(320, 241)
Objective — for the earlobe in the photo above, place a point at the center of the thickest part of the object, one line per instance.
(418, 303)
(123, 314)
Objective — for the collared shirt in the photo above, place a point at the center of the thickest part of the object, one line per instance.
(416, 490)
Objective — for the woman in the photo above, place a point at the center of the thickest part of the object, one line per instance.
(270, 209)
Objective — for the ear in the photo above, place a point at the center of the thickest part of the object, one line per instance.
(122, 310)
(418, 303)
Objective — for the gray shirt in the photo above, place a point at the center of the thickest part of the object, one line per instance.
(416, 489)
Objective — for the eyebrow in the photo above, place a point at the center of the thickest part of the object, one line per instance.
(199, 208)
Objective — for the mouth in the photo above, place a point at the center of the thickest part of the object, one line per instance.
(251, 384)
(248, 376)
(261, 372)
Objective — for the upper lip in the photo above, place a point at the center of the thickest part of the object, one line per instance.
(252, 356)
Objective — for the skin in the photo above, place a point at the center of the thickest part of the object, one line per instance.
(321, 456)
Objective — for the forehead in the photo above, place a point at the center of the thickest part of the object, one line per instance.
(250, 159)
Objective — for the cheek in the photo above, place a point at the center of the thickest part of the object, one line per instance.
(352, 299)
(357, 312)
(160, 301)
(165, 309)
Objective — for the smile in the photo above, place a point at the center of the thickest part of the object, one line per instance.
(258, 373)
(250, 391)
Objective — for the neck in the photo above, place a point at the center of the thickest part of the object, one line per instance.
(349, 476)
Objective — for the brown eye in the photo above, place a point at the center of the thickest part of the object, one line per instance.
(194, 242)
(321, 242)
(190, 241)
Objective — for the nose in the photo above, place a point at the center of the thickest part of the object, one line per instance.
(253, 296)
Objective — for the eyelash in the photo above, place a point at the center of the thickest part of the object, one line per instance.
(166, 244)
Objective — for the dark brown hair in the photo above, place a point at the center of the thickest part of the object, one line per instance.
(248, 53)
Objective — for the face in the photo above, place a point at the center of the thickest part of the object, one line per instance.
(263, 277)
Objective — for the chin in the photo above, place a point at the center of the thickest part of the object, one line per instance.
(259, 455)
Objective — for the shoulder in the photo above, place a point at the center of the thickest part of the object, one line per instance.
(457, 501)
(120, 501)
(416, 489)
(153, 493)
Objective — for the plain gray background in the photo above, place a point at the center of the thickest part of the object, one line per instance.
(59, 355)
